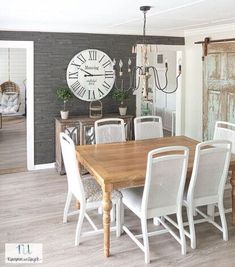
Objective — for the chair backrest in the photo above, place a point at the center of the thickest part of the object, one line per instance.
(226, 131)
(210, 169)
(147, 127)
(165, 174)
(75, 184)
(110, 130)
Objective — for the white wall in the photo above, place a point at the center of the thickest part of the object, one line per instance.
(17, 70)
(193, 76)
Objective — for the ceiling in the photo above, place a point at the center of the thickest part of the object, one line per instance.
(167, 17)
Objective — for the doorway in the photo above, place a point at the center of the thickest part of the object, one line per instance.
(168, 106)
(17, 132)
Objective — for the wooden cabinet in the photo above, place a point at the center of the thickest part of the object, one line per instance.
(84, 132)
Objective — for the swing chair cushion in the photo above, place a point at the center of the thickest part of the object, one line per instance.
(9, 103)
(10, 98)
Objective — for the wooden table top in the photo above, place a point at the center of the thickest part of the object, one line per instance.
(124, 164)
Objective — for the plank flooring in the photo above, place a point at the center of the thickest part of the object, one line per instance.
(13, 144)
(31, 207)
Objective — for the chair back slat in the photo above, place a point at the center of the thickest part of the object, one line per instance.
(109, 131)
(71, 167)
(147, 127)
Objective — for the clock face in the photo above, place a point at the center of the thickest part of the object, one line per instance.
(90, 75)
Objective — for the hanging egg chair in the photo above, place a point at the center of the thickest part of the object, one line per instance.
(9, 88)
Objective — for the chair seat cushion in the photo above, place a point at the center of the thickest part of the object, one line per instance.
(132, 198)
(93, 191)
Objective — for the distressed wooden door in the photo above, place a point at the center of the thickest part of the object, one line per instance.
(218, 86)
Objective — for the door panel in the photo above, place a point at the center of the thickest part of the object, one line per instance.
(231, 66)
(219, 86)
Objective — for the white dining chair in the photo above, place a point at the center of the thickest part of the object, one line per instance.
(206, 187)
(147, 127)
(161, 195)
(86, 191)
(111, 130)
(226, 131)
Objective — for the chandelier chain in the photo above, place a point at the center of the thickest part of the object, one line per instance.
(144, 28)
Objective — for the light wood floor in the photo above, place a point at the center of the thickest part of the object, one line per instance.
(31, 205)
(13, 144)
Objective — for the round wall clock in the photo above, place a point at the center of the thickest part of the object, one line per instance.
(90, 75)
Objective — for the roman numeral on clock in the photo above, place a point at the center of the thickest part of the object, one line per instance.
(101, 58)
(81, 58)
(73, 75)
(82, 91)
(75, 86)
(106, 85)
(109, 74)
(101, 93)
(92, 55)
(91, 94)
(75, 64)
(78, 89)
(107, 63)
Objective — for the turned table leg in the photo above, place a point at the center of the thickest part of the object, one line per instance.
(107, 205)
(233, 196)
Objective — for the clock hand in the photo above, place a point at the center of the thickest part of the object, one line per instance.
(88, 73)
(97, 75)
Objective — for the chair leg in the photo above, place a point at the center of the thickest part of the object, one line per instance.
(79, 226)
(190, 211)
(122, 211)
(181, 230)
(223, 221)
(156, 222)
(100, 210)
(118, 218)
(112, 214)
(145, 239)
(67, 205)
(211, 211)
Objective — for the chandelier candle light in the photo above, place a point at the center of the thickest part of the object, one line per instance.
(145, 71)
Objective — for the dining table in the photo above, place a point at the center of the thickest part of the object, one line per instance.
(123, 165)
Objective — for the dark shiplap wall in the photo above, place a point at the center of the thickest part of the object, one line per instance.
(52, 53)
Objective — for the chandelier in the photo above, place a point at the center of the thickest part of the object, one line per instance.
(140, 75)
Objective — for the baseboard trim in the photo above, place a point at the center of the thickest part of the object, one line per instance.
(44, 166)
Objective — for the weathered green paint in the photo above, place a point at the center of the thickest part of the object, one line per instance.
(219, 86)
